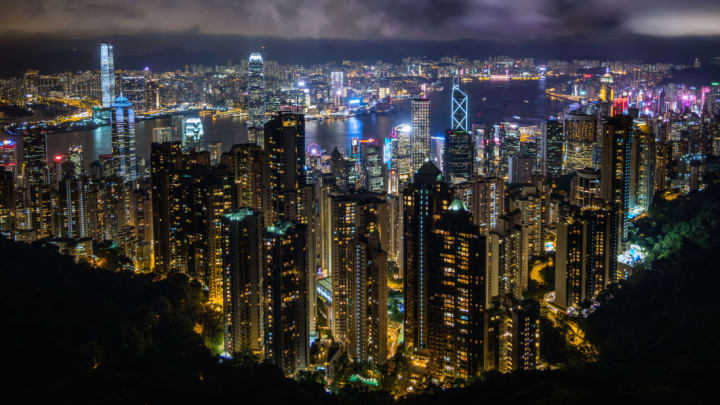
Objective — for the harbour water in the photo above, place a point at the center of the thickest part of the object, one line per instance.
(489, 102)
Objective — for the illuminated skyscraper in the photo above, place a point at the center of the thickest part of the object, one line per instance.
(586, 253)
(193, 136)
(512, 335)
(421, 132)
(425, 200)
(123, 140)
(585, 187)
(615, 185)
(243, 263)
(458, 108)
(642, 172)
(359, 282)
(456, 290)
(580, 141)
(249, 165)
(285, 148)
(107, 74)
(485, 199)
(403, 155)
(508, 257)
(285, 286)
(459, 156)
(551, 148)
(256, 99)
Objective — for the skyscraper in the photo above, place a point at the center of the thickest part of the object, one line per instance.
(456, 295)
(551, 148)
(586, 253)
(243, 264)
(359, 283)
(615, 186)
(458, 108)
(256, 99)
(485, 199)
(420, 144)
(580, 140)
(508, 258)
(107, 74)
(286, 323)
(285, 148)
(123, 140)
(193, 136)
(425, 200)
(512, 335)
(459, 156)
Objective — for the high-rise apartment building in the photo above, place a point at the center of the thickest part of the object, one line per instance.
(359, 280)
(586, 253)
(456, 296)
(425, 200)
(243, 264)
(286, 316)
(285, 148)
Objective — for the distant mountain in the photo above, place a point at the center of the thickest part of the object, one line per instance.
(54, 53)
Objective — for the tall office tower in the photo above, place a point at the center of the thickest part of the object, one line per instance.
(425, 200)
(586, 253)
(551, 148)
(193, 136)
(35, 162)
(285, 148)
(371, 154)
(458, 108)
(339, 168)
(287, 336)
(580, 140)
(459, 156)
(74, 204)
(642, 170)
(520, 168)
(7, 201)
(250, 167)
(607, 93)
(530, 202)
(243, 264)
(618, 139)
(585, 187)
(123, 140)
(512, 335)
(456, 296)
(420, 143)
(403, 155)
(107, 74)
(256, 100)
(508, 258)
(359, 283)
(663, 159)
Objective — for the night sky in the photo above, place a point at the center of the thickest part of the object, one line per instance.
(653, 29)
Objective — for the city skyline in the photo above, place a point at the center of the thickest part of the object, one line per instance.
(416, 229)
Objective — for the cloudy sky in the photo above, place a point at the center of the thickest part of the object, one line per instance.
(367, 19)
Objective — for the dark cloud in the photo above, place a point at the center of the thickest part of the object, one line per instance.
(369, 19)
